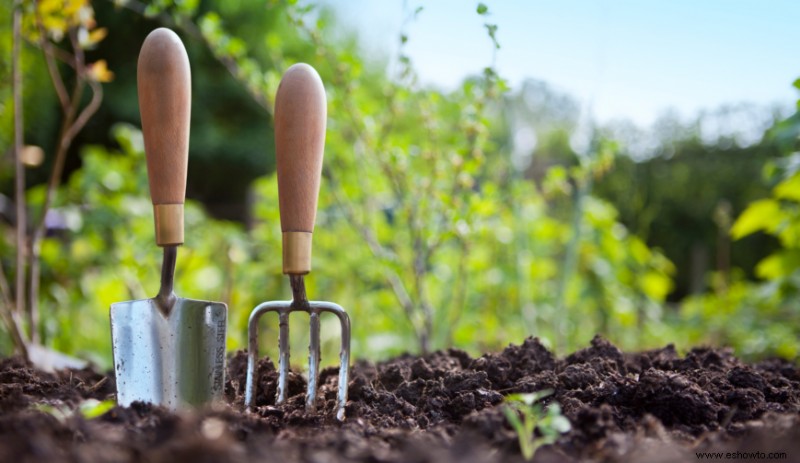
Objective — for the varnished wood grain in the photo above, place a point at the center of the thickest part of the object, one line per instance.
(164, 84)
(300, 117)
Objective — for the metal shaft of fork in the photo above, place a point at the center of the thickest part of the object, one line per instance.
(300, 302)
(166, 295)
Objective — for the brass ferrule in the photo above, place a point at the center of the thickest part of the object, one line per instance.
(169, 224)
(296, 253)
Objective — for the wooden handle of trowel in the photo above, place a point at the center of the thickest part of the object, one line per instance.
(300, 115)
(165, 93)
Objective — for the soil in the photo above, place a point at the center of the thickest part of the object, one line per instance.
(443, 407)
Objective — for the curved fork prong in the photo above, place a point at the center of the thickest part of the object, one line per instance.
(252, 350)
(344, 353)
(314, 309)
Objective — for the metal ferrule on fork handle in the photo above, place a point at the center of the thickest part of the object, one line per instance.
(296, 252)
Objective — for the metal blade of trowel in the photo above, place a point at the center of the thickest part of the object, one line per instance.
(168, 350)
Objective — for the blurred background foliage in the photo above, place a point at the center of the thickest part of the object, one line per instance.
(470, 218)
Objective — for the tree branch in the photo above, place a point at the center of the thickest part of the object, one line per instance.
(377, 250)
(52, 67)
(398, 183)
(188, 26)
(10, 318)
(19, 169)
(88, 111)
(10, 311)
(71, 125)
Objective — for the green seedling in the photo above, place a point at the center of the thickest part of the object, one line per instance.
(534, 425)
(93, 408)
(88, 409)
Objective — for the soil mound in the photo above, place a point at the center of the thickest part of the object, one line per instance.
(442, 407)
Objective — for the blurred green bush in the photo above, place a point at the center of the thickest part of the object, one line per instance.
(495, 285)
(757, 317)
(427, 233)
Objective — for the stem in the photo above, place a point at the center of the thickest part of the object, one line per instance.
(399, 184)
(419, 311)
(525, 294)
(10, 311)
(571, 258)
(40, 229)
(88, 111)
(378, 251)
(187, 25)
(11, 318)
(52, 67)
(458, 295)
(420, 272)
(396, 182)
(19, 169)
(72, 124)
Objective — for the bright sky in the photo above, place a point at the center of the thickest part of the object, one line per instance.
(626, 58)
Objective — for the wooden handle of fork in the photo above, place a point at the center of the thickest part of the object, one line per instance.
(165, 93)
(300, 117)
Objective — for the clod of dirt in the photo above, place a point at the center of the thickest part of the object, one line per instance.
(442, 407)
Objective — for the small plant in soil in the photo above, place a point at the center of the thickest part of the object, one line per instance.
(88, 409)
(534, 425)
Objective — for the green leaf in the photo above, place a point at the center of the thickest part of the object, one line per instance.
(779, 264)
(60, 413)
(529, 398)
(561, 423)
(524, 437)
(92, 408)
(482, 9)
(764, 214)
(789, 188)
(656, 285)
(639, 251)
(492, 29)
(152, 11)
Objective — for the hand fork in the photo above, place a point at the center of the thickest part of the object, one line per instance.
(300, 117)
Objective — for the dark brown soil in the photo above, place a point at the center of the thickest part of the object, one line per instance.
(447, 406)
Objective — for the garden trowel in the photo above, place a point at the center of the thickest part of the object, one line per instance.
(168, 350)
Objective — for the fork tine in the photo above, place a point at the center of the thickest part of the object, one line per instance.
(314, 309)
(313, 361)
(252, 348)
(344, 353)
(252, 358)
(283, 351)
(344, 366)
